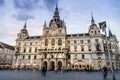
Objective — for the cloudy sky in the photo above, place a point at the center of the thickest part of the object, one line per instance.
(76, 14)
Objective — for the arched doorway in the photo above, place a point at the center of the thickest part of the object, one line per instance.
(59, 65)
(45, 65)
(100, 64)
(28, 65)
(76, 65)
(69, 65)
(52, 65)
(91, 66)
(83, 65)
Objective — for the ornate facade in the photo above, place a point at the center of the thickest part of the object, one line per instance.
(56, 48)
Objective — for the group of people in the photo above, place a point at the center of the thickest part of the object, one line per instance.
(44, 69)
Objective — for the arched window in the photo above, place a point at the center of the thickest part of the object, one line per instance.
(24, 50)
(29, 57)
(52, 56)
(34, 56)
(59, 41)
(45, 56)
(53, 42)
(30, 50)
(46, 42)
(35, 49)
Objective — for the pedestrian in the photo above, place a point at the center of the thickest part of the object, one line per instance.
(44, 71)
(105, 72)
(55, 69)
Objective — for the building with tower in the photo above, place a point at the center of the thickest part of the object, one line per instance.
(56, 48)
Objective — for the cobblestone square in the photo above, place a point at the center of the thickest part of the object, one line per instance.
(51, 75)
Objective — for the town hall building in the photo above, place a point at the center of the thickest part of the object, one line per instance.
(56, 48)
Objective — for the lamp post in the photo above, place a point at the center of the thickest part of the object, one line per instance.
(103, 27)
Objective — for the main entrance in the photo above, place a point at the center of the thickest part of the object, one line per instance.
(59, 65)
(52, 65)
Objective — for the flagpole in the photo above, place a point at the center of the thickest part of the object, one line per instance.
(103, 26)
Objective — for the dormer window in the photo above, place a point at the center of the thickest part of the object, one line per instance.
(95, 32)
(47, 32)
(60, 31)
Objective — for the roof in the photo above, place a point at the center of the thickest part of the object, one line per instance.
(78, 35)
(4, 45)
(34, 37)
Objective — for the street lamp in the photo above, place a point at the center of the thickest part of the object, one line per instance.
(103, 27)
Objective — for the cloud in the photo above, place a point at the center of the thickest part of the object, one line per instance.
(1, 2)
(26, 8)
(23, 16)
(26, 4)
(50, 4)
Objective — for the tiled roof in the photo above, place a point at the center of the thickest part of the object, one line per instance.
(3, 45)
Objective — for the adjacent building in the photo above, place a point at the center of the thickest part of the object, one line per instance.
(6, 55)
(56, 48)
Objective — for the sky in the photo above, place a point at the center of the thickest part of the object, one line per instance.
(76, 14)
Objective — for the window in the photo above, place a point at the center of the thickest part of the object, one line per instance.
(75, 48)
(30, 43)
(24, 50)
(53, 42)
(46, 42)
(95, 32)
(30, 50)
(59, 41)
(52, 56)
(35, 49)
(89, 47)
(83, 57)
(89, 41)
(29, 57)
(99, 57)
(34, 56)
(60, 31)
(47, 32)
(82, 48)
(75, 42)
(96, 40)
(79, 66)
(68, 56)
(23, 57)
(98, 47)
(81, 41)
(45, 56)
(68, 42)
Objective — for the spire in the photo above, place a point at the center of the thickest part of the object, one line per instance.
(92, 19)
(56, 13)
(25, 24)
(45, 25)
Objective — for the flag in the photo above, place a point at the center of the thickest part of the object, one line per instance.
(110, 33)
(102, 25)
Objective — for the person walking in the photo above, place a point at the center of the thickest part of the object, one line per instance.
(55, 69)
(105, 72)
(44, 71)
